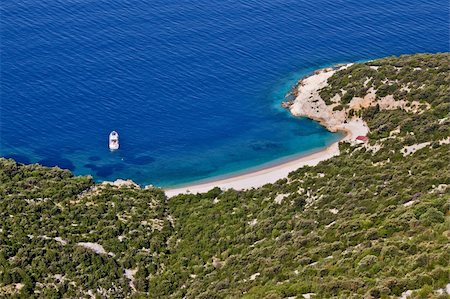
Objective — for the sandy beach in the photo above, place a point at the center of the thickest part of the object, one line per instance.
(308, 104)
(274, 173)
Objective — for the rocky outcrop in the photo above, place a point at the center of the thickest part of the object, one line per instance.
(122, 183)
(308, 103)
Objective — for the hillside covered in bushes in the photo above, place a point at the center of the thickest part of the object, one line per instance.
(373, 222)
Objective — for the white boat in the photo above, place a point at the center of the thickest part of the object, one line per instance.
(113, 141)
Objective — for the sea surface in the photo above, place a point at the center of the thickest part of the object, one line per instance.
(192, 87)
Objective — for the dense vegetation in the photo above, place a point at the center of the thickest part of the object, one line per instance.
(371, 222)
(44, 214)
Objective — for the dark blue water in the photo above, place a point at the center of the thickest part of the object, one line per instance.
(192, 87)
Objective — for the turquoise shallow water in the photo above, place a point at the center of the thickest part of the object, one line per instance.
(192, 87)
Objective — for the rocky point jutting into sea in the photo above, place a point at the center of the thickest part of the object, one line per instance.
(333, 115)
(308, 103)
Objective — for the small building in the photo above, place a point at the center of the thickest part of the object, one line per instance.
(362, 139)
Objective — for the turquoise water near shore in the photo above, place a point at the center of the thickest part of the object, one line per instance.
(193, 87)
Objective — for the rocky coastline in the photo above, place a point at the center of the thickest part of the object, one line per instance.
(308, 103)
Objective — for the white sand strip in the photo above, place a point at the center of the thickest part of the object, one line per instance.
(258, 178)
(272, 174)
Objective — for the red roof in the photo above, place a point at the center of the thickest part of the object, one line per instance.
(362, 138)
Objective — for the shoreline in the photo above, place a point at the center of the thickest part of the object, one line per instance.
(271, 174)
(307, 103)
(256, 168)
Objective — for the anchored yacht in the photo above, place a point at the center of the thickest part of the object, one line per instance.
(113, 141)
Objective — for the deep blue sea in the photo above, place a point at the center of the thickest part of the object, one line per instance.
(192, 87)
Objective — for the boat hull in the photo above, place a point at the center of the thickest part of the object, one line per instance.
(113, 141)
